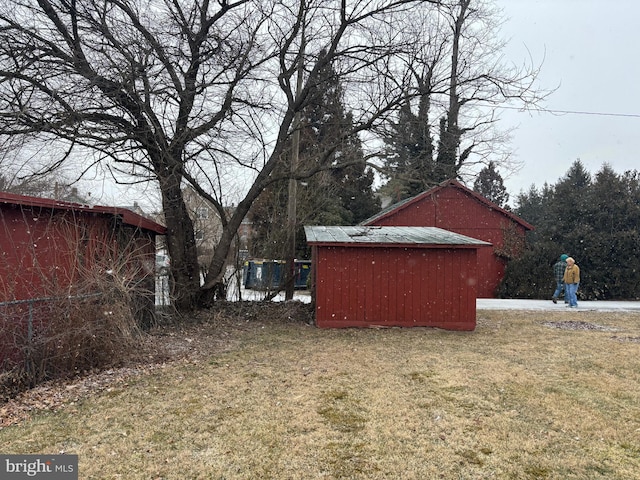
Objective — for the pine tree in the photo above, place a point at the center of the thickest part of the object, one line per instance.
(572, 202)
(411, 166)
(333, 195)
(611, 251)
(592, 219)
(490, 185)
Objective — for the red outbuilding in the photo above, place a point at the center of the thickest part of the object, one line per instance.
(454, 207)
(393, 276)
(50, 249)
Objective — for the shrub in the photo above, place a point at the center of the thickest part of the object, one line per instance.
(63, 336)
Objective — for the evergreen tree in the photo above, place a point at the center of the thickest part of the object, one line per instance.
(611, 251)
(332, 194)
(268, 211)
(490, 185)
(411, 166)
(593, 220)
(572, 202)
(531, 204)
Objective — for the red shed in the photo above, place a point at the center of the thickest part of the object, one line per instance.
(47, 247)
(454, 207)
(46, 243)
(393, 276)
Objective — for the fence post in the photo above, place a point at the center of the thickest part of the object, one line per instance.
(30, 323)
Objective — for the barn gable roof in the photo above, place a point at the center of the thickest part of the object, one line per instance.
(407, 203)
(127, 216)
(389, 236)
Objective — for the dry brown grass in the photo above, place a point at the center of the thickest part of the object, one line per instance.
(516, 399)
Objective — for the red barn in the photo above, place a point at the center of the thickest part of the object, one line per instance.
(48, 248)
(452, 206)
(393, 276)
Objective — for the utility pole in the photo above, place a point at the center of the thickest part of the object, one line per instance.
(290, 277)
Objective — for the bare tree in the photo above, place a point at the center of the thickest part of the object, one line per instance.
(188, 92)
(458, 79)
(479, 81)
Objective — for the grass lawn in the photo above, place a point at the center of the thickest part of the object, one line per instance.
(528, 395)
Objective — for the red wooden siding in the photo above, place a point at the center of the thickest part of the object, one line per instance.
(43, 251)
(364, 286)
(454, 207)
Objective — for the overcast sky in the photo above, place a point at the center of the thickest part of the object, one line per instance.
(590, 51)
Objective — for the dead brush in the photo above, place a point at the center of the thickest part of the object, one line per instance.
(95, 325)
(80, 301)
(82, 334)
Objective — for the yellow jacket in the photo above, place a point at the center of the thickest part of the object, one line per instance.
(572, 274)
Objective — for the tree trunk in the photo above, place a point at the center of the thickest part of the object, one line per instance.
(450, 133)
(215, 273)
(181, 245)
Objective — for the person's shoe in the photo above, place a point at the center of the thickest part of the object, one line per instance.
(554, 299)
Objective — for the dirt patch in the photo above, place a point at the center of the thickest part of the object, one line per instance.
(573, 325)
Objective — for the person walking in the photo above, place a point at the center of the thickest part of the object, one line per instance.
(571, 282)
(558, 273)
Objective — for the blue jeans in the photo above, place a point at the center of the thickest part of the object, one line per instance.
(571, 290)
(560, 289)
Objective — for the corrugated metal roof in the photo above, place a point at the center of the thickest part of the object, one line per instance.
(388, 235)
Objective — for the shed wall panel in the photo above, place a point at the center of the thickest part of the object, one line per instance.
(363, 286)
(44, 252)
